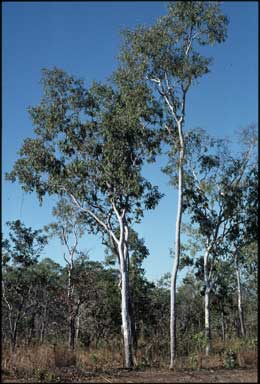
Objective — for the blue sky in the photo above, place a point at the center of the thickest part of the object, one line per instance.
(83, 39)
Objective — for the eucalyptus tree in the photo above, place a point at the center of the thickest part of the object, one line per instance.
(90, 146)
(216, 196)
(69, 228)
(167, 57)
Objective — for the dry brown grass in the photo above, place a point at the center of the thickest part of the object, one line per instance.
(27, 359)
(247, 359)
(44, 362)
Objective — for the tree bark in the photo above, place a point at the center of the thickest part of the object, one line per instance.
(77, 326)
(31, 333)
(207, 304)
(173, 315)
(72, 332)
(125, 312)
(43, 324)
(223, 329)
(239, 299)
(207, 322)
(14, 336)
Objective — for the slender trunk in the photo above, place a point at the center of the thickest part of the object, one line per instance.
(31, 333)
(14, 337)
(77, 328)
(173, 315)
(71, 319)
(42, 332)
(43, 324)
(239, 300)
(72, 332)
(125, 313)
(207, 304)
(207, 322)
(223, 325)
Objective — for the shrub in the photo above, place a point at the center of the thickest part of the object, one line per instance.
(230, 359)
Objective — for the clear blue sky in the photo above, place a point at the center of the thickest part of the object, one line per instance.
(83, 39)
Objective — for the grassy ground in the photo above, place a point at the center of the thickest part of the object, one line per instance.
(49, 363)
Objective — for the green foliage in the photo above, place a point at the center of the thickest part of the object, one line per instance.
(230, 359)
(90, 144)
(199, 341)
(166, 57)
(24, 245)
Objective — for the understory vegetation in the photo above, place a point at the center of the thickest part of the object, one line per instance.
(37, 296)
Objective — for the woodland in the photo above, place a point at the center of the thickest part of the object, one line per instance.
(85, 318)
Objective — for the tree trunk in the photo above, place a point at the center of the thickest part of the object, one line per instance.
(223, 329)
(14, 337)
(125, 313)
(207, 304)
(239, 300)
(133, 323)
(72, 331)
(42, 332)
(77, 328)
(31, 333)
(173, 315)
(207, 322)
(43, 324)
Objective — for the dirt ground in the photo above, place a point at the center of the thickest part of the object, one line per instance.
(68, 375)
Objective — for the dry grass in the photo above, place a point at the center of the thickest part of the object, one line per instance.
(27, 359)
(44, 362)
(247, 359)
(38, 361)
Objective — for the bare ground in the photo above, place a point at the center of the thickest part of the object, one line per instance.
(73, 375)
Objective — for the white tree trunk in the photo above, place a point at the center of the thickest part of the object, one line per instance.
(173, 314)
(239, 299)
(207, 321)
(207, 304)
(77, 328)
(126, 320)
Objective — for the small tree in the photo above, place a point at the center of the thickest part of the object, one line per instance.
(167, 57)
(68, 227)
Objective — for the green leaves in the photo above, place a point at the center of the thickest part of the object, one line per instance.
(166, 55)
(24, 245)
(91, 143)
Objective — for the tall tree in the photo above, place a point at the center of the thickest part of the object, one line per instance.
(166, 56)
(90, 146)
